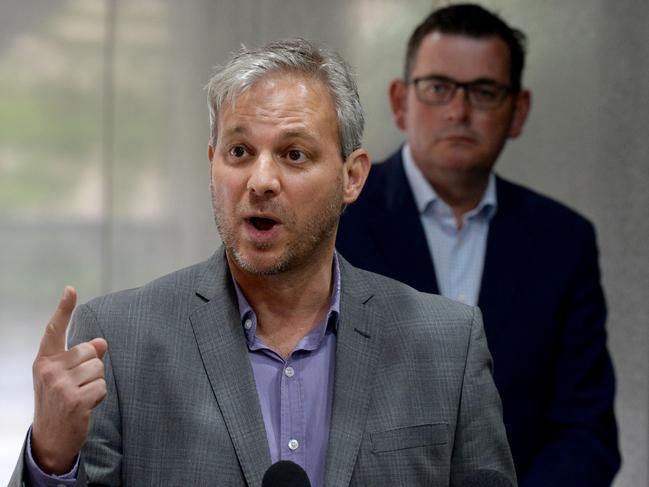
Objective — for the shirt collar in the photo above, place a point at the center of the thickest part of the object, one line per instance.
(426, 197)
(249, 318)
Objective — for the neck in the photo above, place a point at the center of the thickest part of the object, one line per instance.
(461, 191)
(288, 305)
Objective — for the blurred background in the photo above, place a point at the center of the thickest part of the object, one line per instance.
(103, 136)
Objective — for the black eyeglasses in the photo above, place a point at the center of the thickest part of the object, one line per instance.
(438, 90)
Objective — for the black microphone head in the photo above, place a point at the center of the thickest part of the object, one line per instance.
(484, 478)
(285, 474)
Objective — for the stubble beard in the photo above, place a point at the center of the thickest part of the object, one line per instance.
(319, 230)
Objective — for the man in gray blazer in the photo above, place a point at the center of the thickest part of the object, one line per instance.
(275, 348)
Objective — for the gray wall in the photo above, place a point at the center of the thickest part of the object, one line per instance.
(137, 204)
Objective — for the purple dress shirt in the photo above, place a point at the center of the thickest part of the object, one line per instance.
(295, 395)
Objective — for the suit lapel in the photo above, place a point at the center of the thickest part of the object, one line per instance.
(399, 234)
(223, 349)
(357, 349)
(508, 248)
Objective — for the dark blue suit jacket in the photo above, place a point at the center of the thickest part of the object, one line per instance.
(544, 316)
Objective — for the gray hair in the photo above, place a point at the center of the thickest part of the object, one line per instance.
(248, 66)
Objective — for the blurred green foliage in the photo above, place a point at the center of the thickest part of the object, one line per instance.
(53, 74)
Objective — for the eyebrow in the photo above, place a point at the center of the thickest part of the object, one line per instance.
(440, 77)
(287, 134)
(237, 129)
(299, 134)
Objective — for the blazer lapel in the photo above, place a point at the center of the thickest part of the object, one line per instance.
(399, 233)
(508, 248)
(223, 349)
(357, 349)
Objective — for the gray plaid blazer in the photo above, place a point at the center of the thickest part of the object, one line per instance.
(414, 401)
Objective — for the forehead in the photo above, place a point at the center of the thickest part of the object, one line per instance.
(463, 58)
(282, 98)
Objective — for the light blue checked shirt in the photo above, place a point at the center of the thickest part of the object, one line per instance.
(458, 255)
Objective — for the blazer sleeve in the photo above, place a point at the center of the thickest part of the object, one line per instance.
(582, 448)
(101, 456)
(480, 440)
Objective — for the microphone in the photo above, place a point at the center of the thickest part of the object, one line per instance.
(285, 474)
(485, 478)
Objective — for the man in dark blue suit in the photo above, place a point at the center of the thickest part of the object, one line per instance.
(435, 216)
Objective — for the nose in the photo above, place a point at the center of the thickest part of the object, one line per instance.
(458, 108)
(264, 177)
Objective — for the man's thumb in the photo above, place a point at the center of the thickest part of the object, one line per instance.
(100, 346)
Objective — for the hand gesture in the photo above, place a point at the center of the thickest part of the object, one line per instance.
(68, 384)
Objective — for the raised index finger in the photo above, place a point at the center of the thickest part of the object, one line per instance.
(53, 340)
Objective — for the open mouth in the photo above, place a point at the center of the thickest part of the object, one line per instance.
(261, 223)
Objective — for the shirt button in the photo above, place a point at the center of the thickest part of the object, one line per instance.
(462, 298)
(293, 445)
(289, 371)
(247, 324)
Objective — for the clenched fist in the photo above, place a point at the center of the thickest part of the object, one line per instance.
(68, 384)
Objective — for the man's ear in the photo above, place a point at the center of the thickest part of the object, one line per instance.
(398, 96)
(522, 106)
(355, 171)
(210, 157)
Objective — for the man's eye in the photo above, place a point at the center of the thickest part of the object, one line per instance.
(485, 92)
(238, 151)
(295, 155)
(438, 88)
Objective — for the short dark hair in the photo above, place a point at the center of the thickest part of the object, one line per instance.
(470, 20)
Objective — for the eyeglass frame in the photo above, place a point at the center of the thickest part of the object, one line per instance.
(505, 90)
